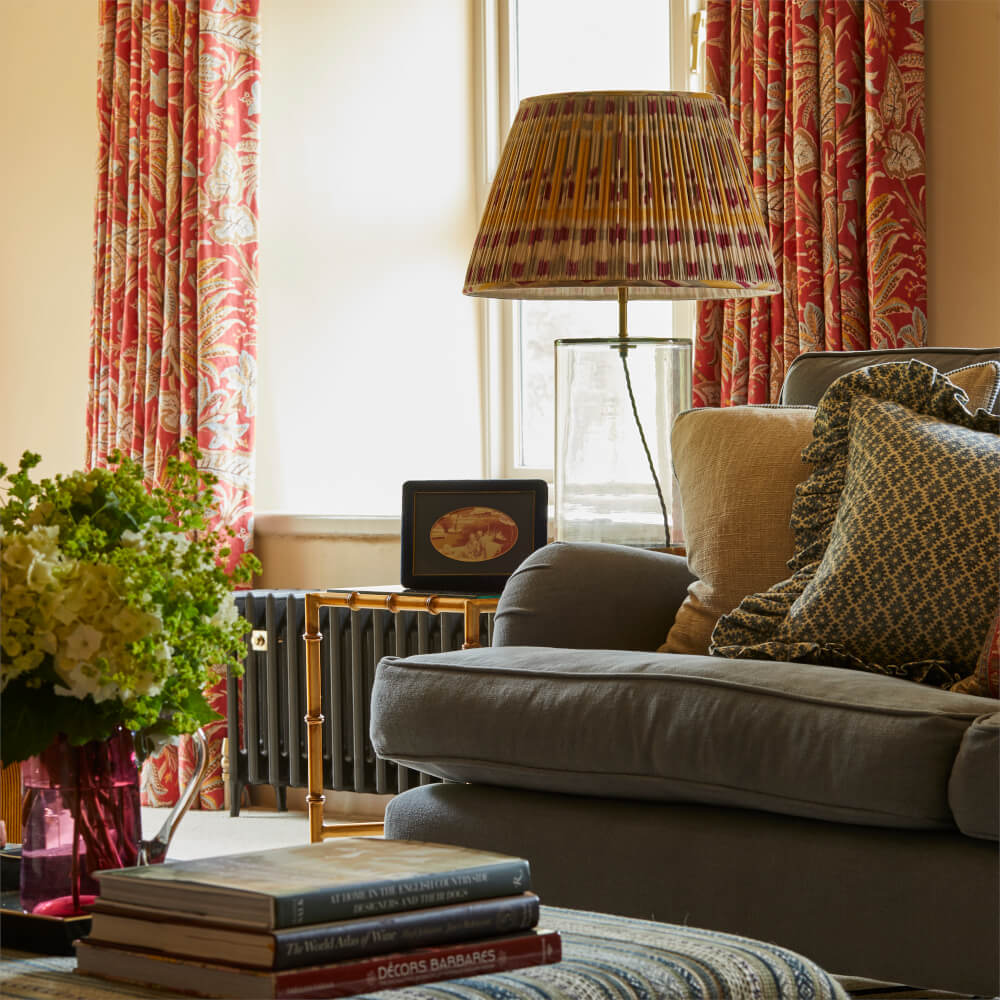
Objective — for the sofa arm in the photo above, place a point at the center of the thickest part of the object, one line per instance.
(974, 785)
(591, 595)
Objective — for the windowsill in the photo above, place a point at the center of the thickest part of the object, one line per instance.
(326, 525)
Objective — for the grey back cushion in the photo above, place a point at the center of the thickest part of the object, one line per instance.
(811, 374)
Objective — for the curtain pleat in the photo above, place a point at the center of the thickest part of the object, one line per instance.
(173, 325)
(827, 99)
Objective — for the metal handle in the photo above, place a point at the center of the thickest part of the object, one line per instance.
(152, 852)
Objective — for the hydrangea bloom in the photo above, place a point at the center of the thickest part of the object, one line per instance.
(115, 606)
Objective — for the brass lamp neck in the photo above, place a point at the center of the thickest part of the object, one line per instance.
(623, 313)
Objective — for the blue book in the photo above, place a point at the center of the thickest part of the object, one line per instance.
(337, 879)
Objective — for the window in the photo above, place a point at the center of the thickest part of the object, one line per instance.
(374, 368)
(552, 46)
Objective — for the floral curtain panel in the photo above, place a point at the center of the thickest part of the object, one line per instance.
(173, 328)
(827, 98)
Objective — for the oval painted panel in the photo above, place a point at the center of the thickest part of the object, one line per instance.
(473, 534)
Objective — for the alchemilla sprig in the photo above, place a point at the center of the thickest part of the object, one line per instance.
(116, 606)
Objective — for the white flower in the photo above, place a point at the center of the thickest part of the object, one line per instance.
(146, 684)
(82, 682)
(178, 544)
(81, 678)
(226, 613)
(82, 642)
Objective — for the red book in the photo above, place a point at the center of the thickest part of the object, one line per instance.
(340, 979)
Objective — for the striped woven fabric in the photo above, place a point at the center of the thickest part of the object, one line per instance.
(614, 958)
(604, 958)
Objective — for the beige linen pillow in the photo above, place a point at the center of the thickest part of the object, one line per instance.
(737, 469)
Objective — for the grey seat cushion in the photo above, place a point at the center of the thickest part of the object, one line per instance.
(799, 739)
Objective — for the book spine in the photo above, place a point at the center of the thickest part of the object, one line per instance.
(505, 878)
(401, 931)
(421, 966)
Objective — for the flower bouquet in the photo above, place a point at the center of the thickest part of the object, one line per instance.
(117, 612)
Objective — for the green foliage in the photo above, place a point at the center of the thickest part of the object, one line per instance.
(116, 608)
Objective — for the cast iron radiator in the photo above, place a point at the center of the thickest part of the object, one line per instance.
(267, 746)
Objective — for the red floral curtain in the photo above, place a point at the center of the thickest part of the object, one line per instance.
(827, 98)
(173, 327)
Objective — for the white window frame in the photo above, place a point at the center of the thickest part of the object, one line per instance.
(496, 75)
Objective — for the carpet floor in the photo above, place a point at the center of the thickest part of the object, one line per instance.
(209, 833)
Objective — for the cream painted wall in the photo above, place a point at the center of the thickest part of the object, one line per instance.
(303, 561)
(963, 169)
(48, 76)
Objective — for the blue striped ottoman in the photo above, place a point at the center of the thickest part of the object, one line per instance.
(604, 958)
(614, 958)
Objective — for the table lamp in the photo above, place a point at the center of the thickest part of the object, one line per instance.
(612, 195)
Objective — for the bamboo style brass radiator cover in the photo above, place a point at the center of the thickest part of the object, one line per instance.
(268, 740)
(476, 624)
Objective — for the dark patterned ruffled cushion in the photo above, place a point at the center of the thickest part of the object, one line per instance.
(896, 530)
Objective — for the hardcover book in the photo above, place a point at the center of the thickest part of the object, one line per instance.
(341, 979)
(185, 937)
(336, 879)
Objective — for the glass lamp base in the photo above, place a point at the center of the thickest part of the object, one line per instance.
(615, 403)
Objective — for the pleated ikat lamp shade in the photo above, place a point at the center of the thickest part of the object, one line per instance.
(617, 195)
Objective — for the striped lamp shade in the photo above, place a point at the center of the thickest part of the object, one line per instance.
(644, 190)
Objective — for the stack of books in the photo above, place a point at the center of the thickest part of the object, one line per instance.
(333, 919)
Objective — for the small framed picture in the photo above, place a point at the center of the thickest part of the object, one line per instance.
(469, 535)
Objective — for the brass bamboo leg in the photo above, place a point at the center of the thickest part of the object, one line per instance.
(471, 625)
(314, 718)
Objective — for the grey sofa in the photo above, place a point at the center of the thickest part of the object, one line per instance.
(848, 816)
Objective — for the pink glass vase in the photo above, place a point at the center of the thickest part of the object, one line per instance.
(80, 814)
